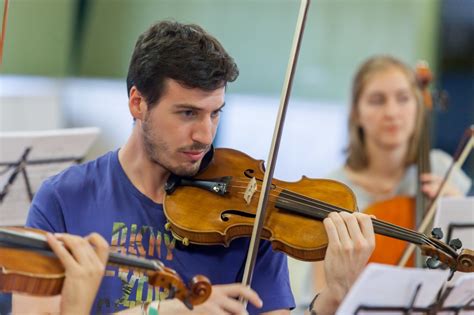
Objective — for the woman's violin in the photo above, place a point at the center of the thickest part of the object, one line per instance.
(406, 211)
(29, 266)
(223, 198)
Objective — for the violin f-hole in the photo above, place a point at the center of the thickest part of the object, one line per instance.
(225, 216)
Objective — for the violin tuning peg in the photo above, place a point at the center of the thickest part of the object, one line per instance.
(433, 263)
(455, 244)
(437, 233)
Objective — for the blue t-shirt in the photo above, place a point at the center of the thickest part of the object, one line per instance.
(99, 197)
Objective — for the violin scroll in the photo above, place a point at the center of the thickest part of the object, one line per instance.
(465, 261)
(424, 77)
(199, 288)
(437, 250)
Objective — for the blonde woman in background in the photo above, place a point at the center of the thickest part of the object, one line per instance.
(385, 124)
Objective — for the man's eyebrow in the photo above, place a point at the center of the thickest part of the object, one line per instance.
(191, 106)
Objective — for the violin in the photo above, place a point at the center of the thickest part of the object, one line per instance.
(223, 198)
(29, 266)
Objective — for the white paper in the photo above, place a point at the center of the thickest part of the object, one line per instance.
(460, 211)
(463, 291)
(384, 285)
(456, 210)
(45, 145)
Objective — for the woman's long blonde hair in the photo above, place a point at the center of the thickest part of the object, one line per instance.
(357, 158)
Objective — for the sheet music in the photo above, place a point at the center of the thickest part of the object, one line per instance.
(384, 285)
(456, 210)
(45, 145)
(462, 293)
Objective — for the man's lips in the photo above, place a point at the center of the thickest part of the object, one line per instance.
(194, 155)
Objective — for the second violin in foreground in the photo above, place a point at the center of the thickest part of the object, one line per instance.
(27, 265)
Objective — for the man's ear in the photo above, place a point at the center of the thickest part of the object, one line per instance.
(137, 104)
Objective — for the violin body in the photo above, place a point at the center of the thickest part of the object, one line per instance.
(204, 217)
(30, 272)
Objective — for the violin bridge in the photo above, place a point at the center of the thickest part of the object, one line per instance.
(250, 190)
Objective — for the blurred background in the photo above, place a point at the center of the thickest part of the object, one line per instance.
(65, 63)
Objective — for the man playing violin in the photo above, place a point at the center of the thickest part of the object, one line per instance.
(176, 86)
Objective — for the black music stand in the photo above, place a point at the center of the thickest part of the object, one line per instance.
(16, 168)
(36, 156)
(452, 227)
(20, 167)
(385, 289)
(410, 309)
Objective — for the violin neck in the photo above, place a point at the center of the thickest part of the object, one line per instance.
(134, 262)
(397, 232)
(36, 241)
(319, 210)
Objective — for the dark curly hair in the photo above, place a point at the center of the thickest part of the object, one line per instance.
(182, 52)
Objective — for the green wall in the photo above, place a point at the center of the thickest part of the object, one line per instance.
(38, 37)
(258, 33)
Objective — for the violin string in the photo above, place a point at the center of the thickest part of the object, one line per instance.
(379, 224)
(382, 226)
(330, 207)
(389, 229)
(385, 227)
(338, 209)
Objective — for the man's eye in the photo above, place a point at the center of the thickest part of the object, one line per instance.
(188, 113)
(216, 113)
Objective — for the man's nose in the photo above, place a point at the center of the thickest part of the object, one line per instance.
(204, 131)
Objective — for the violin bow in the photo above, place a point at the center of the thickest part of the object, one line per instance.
(465, 146)
(4, 29)
(272, 156)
